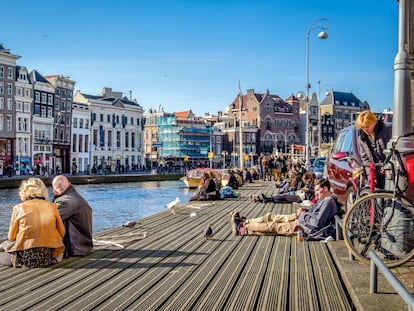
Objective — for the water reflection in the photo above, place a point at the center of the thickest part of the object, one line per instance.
(112, 204)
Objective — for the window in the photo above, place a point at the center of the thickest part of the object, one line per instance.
(1, 122)
(9, 124)
(27, 92)
(44, 98)
(9, 104)
(1, 88)
(26, 107)
(19, 124)
(37, 97)
(10, 73)
(49, 99)
(133, 140)
(126, 139)
(19, 91)
(81, 123)
(26, 125)
(74, 143)
(109, 138)
(95, 137)
(1, 72)
(75, 123)
(80, 145)
(1, 102)
(86, 123)
(86, 143)
(118, 139)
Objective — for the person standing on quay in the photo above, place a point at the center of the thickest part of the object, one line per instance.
(76, 214)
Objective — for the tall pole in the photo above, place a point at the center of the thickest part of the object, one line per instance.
(240, 132)
(402, 89)
(322, 24)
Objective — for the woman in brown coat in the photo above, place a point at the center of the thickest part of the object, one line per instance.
(36, 228)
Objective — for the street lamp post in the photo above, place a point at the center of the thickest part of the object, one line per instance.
(240, 132)
(402, 89)
(322, 24)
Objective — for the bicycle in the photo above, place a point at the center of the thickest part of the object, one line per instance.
(383, 221)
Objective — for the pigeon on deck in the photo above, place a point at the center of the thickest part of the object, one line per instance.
(208, 232)
(129, 224)
(172, 205)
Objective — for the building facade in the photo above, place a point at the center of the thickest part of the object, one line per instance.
(116, 131)
(62, 122)
(42, 123)
(24, 100)
(7, 110)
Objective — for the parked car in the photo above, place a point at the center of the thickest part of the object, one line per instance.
(341, 162)
(318, 167)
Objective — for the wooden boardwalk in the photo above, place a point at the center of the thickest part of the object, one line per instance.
(175, 268)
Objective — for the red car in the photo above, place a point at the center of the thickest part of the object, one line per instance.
(341, 163)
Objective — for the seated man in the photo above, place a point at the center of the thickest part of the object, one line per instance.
(76, 214)
(312, 220)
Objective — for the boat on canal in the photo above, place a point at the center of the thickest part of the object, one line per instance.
(192, 177)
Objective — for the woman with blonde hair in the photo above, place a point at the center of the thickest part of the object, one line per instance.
(36, 228)
(372, 141)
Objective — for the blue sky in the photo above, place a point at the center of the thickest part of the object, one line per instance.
(183, 55)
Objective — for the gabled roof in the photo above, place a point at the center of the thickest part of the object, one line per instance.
(37, 77)
(184, 114)
(346, 99)
(279, 104)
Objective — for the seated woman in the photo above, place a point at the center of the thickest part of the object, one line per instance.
(36, 229)
(317, 217)
(206, 190)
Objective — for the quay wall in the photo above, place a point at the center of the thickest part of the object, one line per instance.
(14, 182)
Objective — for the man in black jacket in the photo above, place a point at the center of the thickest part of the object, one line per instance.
(76, 215)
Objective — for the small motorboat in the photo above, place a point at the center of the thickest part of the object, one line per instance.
(192, 178)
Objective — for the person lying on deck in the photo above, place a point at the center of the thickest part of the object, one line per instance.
(309, 221)
(306, 192)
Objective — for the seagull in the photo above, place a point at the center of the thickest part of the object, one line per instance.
(172, 205)
(208, 232)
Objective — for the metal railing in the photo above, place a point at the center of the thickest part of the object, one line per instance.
(376, 264)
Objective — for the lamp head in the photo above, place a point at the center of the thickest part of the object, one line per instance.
(323, 35)
(301, 96)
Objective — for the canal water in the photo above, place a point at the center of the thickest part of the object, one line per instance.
(112, 204)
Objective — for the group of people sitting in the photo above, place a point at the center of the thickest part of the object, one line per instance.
(210, 187)
(43, 232)
(310, 221)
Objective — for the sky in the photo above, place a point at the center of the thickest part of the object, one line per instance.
(193, 54)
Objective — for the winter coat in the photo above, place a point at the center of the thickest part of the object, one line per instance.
(77, 217)
(36, 223)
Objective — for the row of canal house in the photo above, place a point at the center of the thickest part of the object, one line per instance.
(262, 122)
(45, 125)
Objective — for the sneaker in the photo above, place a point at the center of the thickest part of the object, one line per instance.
(328, 239)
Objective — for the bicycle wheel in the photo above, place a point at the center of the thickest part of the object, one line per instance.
(383, 224)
